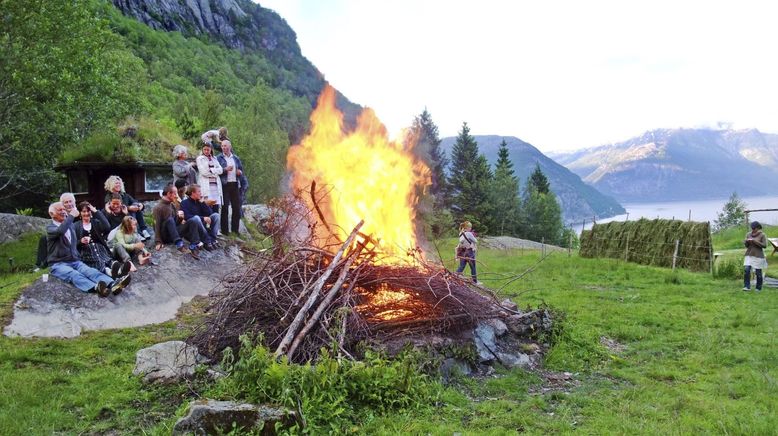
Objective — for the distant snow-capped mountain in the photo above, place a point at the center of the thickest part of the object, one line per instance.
(680, 164)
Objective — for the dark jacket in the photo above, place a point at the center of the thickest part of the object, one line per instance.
(59, 249)
(97, 234)
(114, 221)
(243, 182)
(755, 243)
(193, 208)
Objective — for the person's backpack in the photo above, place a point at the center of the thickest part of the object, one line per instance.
(42, 258)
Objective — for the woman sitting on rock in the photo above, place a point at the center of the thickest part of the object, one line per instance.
(129, 244)
(92, 246)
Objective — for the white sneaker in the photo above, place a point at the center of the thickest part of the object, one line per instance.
(146, 234)
(746, 289)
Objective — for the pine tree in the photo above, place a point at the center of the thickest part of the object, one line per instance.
(539, 180)
(505, 194)
(424, 134)
(470, 181)
(542, 215)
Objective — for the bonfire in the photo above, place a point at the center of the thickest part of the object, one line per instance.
(346, 266)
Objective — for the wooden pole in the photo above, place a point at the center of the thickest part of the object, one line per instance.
(710, 249)
(570, 242)
(690, 214)
(295, 325)
(543, 245)
(675, 253)
(583, 225)
(626, 250)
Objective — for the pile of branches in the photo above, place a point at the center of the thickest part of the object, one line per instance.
(311, 295)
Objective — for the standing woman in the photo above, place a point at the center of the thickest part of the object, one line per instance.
(209, 170)
(755, 243)
(183, 170)
(466, 249)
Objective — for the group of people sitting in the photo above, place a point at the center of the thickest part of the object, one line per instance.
(97, 249)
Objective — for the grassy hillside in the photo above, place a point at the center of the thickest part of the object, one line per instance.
(648, 351)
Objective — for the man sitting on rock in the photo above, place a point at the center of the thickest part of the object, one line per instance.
(65, 262)
(171, 226)
(195, 209)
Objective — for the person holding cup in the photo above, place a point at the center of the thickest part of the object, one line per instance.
(92, 245)
(209, 170)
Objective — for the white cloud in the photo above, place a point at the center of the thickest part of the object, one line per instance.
(558, 74)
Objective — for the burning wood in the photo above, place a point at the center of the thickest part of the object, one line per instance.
(303, 298)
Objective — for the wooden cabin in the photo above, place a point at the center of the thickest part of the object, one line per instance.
(143, 180)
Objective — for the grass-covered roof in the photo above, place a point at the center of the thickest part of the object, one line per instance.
(135, 140)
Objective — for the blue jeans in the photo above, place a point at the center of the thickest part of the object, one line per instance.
(80, 275)
(139, 218)
(468, 259)
(747, 278)
(210, 232)
(174, 233)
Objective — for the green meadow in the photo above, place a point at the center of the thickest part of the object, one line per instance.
(648, 351)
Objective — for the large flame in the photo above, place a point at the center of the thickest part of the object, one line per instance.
(366, 176)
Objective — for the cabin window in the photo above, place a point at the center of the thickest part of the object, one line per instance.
(157, 178)
(79, 182)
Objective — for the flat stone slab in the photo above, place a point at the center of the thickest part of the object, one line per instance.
(57, 309)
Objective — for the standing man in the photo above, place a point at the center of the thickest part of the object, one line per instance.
(65, 262)
(232, 180)
(195, 209)
(209, 170)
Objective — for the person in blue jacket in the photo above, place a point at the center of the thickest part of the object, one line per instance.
(202, 214)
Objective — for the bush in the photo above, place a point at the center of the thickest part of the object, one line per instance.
(730, 268)
(332, 393)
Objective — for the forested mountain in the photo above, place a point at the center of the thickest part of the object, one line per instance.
(578, 200)
(680, 164)
(73, 70)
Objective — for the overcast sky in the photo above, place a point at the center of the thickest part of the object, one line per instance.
(557, 74)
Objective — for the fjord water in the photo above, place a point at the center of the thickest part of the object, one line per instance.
(701, 210)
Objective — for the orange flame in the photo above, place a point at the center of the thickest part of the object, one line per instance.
(366, 176)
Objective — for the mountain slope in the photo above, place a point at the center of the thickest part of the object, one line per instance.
(243, 26)
(680, 164)
(578, 200)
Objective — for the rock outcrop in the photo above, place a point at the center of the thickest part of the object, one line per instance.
(13, 226)
(57, 309)
(217, 417)
(166, 362)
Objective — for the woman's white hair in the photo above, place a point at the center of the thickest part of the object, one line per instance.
(111, 181)
(178, 149)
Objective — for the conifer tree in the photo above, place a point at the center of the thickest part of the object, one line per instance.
(425, 134)
(542, 215)
(505, 194)
(470, 181)
(539, 180)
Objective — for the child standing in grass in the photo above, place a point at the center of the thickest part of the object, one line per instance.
(755, 243)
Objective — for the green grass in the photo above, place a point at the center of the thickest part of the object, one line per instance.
(700, 356)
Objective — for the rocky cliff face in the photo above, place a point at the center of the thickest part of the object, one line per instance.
(680, 164)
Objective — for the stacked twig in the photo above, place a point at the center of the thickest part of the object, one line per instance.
(308, 296)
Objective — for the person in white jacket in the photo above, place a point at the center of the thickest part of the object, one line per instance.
(208, 169)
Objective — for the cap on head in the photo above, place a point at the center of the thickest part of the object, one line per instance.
(755, 225)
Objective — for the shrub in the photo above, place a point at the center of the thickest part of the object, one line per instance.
(332, 393)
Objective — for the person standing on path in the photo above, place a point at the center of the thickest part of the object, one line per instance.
(755, 243)
(466, 249)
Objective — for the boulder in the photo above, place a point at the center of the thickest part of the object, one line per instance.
(13, 226)
(485, 342)
(166, 362)
(220, 417)
(510, 360)
(451, 367)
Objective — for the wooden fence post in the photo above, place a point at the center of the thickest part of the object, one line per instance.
(675, 253)
(626, 249)
(543, 246)
(570, 242)
(710, 249)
